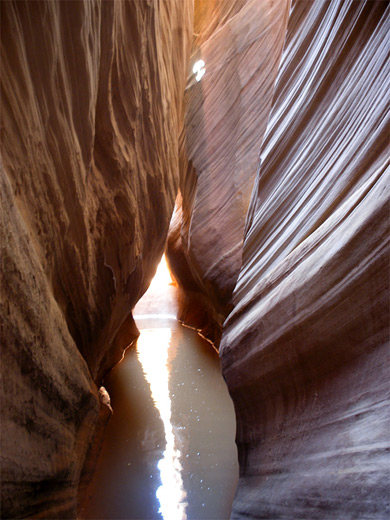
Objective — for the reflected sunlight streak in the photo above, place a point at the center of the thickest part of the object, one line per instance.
(152, 350)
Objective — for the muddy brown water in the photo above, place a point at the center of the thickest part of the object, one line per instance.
(169, 450)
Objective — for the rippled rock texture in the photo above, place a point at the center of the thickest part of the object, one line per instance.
(226, 116)
(91, 116)
(305, 351)
(93, 151)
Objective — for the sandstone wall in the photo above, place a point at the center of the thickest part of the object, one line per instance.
(305, 351)
(92, 147)
(226, 115)
(91, 113)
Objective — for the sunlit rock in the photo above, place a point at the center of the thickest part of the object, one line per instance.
(305, 351)
(199, 69)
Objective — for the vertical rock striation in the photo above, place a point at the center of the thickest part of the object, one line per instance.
(91, 113)
(93, 151)
(226, 115)
(305, 351)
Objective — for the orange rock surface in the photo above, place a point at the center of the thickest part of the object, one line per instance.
(92, 110)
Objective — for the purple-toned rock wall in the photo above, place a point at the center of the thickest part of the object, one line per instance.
(305, 351)
(226, 116)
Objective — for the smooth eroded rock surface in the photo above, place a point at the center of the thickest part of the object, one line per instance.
(93, 151)
(305, 351)
(226, 116)
(91, 116)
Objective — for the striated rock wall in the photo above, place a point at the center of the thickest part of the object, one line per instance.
(92, 150)
(91, 113)
(305, 351)
(226, 115)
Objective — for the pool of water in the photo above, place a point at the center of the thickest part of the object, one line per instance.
(169, 450)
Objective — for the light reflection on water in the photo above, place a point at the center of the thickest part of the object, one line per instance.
(169, 450)
(152, 351)
(202, 421)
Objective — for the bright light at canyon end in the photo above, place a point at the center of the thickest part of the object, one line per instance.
(162, 278)
(159, 301)
(199, 69)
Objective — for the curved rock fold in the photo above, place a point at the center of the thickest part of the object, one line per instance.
(280, 240)
(91, 112)
(305, 350)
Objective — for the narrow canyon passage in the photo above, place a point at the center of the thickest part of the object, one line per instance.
(263, 127)
(169, 448)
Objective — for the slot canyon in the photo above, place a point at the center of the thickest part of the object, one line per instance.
(248, 140)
